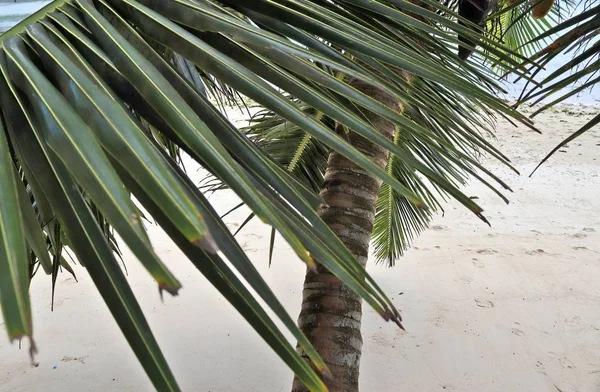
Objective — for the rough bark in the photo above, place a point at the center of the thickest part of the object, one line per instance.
(331, 313)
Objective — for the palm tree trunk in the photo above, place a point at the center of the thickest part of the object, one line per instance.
(331, 312)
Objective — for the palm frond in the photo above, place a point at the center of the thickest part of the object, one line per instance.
(96, 104)
(515, 25)
(397, 221)
(577, 36)
(290, 147)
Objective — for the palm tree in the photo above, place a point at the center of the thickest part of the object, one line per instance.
(95, 104)
(547, 34)
(575, 35)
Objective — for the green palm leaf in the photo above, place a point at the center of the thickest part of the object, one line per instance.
(14, 260)
(98, 98)
(576, 35)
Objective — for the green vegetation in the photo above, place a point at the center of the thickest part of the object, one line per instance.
(98, 98)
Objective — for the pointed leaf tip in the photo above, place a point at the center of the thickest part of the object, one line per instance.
(393, 315)
(32, 347)
(311, 264)
(32, 351)
(325, 374)
(483, 218)
(399, 324)
(207, 243)
(174, 291)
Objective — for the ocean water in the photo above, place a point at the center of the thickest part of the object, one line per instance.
(13, 13)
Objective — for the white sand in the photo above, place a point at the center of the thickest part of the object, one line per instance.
(514, 307)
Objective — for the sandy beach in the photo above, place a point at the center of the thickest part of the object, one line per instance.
(514, 307)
